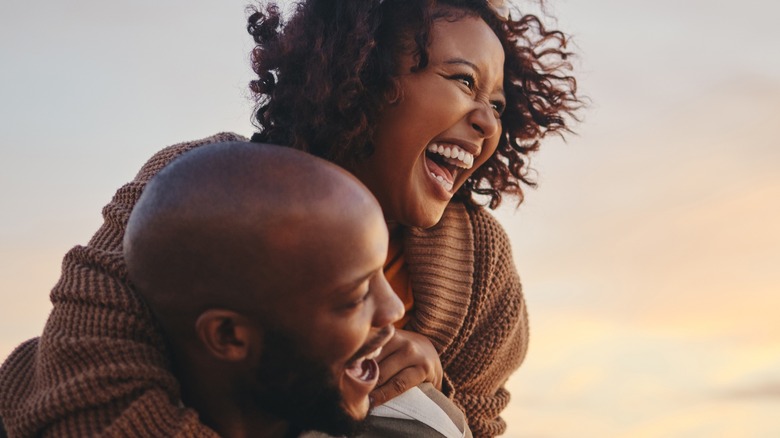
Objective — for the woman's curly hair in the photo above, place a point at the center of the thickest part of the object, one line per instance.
(326, 74)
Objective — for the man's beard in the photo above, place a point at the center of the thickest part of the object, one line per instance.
(300, 390)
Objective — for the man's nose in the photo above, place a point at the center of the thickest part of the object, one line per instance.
(389, 307)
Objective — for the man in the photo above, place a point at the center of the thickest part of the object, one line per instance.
(263, 266)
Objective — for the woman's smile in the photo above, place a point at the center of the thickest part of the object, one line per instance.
(447, 160)
(444, 126)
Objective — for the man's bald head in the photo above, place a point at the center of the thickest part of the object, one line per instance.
(264, 267)
(233, 226)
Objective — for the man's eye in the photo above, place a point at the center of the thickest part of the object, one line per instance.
(357, 303)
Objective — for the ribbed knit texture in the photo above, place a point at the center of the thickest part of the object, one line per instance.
(100, 367)
(469, 302)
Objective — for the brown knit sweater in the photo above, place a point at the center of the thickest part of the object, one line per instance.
(100, 366)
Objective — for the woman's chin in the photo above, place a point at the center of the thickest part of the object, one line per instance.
(425, 213)
(427, 217)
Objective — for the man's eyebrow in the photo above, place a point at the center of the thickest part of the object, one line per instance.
(353, 284)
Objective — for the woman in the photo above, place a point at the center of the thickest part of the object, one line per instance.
(435, 106)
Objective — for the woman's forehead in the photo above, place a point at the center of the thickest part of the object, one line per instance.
(468, 41)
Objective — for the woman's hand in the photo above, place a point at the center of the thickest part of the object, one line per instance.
(406, 361)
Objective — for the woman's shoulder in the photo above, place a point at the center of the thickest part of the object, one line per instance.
(117, 212)
(463, 228)
(484, 226)
(164, 156)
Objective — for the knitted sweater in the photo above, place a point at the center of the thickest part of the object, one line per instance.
(101, 366)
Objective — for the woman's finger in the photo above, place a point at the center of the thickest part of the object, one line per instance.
(397, 385)
(393, 345)
(394, 364)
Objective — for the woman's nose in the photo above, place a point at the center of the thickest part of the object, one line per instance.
(483, 119)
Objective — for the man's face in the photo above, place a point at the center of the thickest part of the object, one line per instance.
(296, 388)
(337, 310)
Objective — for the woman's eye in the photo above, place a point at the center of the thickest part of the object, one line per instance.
(466, 80)
(498, 107)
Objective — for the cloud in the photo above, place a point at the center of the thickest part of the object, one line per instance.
(767, 391)
(671, 227)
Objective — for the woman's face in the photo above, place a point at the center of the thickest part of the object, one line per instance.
(444, 126)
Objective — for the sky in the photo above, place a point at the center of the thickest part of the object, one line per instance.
(649, 252)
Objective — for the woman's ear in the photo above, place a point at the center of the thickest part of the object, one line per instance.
(394, 94)
(227, 335)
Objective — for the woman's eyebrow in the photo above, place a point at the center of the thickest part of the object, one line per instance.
(464, 62)
(473, 66)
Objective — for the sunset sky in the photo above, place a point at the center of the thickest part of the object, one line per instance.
(649, 253)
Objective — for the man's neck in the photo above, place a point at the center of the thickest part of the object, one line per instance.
(230, 421)
(224, 411)
(245, 428)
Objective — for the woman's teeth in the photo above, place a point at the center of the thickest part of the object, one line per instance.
(454, 154)
(444, 183)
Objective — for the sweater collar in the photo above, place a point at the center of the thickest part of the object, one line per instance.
(441, 265)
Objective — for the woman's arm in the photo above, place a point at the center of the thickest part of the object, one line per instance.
(100, 366)
(406, 361)
(469, 303)
(497, 330)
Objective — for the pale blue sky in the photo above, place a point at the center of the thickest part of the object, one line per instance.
(649, 253)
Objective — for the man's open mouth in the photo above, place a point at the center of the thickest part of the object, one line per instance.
(365, 368)
(445, 162)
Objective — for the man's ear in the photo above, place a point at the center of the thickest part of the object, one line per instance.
(227, 335)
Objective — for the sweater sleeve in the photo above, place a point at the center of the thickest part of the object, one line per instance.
(100, 366)
(469, 303)
(495, 330)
